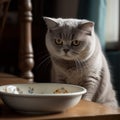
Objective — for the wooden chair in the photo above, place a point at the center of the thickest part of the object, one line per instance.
(25, 56)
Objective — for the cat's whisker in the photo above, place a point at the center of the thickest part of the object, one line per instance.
(46, 65)
(43, 61)
(84, 64)
(75, 52)
(78, 64)
(41, 57)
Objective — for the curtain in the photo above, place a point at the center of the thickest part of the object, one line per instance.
(94, 10)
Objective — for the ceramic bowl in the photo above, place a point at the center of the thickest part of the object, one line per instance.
(41, 98)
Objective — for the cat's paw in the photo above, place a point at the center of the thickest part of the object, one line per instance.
(86, 98)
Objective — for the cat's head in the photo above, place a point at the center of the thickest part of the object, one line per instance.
(70, 38)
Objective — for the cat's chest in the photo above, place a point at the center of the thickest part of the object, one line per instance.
(72, 72)
(71, 75)
(71, 69)
(75, 75)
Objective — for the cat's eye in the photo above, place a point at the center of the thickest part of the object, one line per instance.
(58, 41)
(75, 42)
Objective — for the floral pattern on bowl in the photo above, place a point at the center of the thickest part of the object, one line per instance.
(30, 90)
(17, 90)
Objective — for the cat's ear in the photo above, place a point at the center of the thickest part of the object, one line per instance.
(87, 27)
(50, 22)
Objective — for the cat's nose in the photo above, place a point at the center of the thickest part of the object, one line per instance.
(66, 50)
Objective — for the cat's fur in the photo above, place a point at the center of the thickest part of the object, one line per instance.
(80, 62)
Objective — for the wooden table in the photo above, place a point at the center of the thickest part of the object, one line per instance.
(83, 111)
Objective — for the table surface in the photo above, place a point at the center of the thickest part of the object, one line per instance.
(84, 110)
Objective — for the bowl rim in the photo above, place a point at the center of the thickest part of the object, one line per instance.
(84, 90)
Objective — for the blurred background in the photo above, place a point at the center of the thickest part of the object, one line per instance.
(105, 14)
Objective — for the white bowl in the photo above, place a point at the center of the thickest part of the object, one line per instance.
(41, 98)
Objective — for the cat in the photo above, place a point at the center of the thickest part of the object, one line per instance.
(77, 58)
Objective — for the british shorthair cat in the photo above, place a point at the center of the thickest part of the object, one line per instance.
(77, 58)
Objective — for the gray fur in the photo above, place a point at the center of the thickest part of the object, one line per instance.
(82, 64)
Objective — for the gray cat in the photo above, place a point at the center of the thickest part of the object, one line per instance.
(77, 58)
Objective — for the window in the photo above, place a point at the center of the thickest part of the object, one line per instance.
(112, 24)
